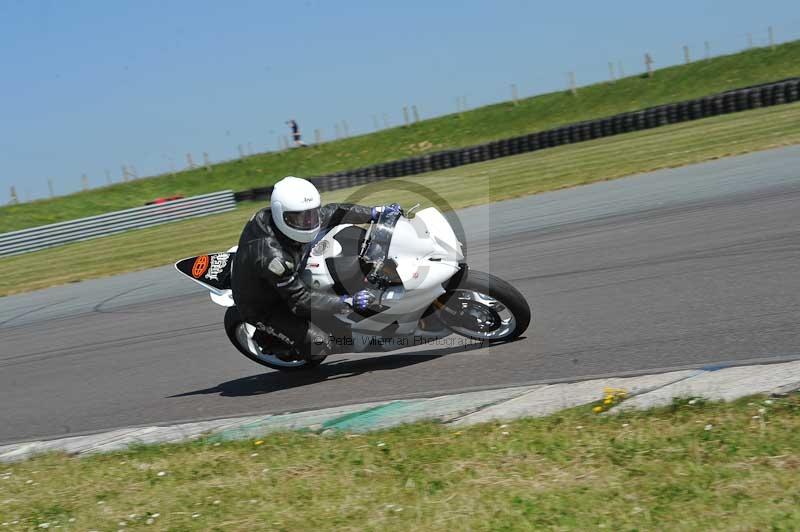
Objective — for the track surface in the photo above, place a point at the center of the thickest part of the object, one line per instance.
(676, 268)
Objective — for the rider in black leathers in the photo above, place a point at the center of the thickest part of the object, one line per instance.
(267, 288)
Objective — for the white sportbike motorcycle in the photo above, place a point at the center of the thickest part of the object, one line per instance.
(418, 262)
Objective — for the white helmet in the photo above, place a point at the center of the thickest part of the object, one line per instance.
(295, 208)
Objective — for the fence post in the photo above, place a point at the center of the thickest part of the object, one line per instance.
(50, 186)
(415, 112)
(125, 172)
(648, 61)
(189, 161)
(206, 162)
(749, 41)
(405, 116)
(241, 152)
(84, 182)
(14, 197)
(375, 123)
(573, 88)
(338, 129)
(514, 95)
(611, 71)
(620, 70)
(317, 136)
(771, 38)
(108, 179)
(345, 128)
(708, 49)
(686, 54)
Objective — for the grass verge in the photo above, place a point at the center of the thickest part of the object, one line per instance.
(688, 467)
(699, 78)
(474, 184)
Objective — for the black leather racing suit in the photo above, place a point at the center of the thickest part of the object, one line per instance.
(267, 287)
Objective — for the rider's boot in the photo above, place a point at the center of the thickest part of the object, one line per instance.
(296, 340)
(275, 344)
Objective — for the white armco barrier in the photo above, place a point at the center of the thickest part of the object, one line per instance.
(46, 236)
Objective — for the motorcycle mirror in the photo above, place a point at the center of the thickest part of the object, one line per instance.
(410, 211)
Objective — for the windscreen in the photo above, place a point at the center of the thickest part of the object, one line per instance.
(377, 250)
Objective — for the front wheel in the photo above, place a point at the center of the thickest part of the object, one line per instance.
(485, 308)
(276, 355)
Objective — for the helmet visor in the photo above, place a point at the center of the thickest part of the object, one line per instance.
(303, 220)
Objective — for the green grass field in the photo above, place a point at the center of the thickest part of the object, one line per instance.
(687, 467)
(505, 178)
(480, 125)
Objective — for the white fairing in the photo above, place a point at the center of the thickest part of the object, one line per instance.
(224, 299)
(426, 250)
(427, 254)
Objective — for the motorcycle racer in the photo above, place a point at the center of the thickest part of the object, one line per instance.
(266, 284)
(425, 290)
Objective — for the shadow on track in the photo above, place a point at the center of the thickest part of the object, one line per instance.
(274, 381)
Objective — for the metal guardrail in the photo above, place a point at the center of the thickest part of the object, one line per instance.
(45, 236)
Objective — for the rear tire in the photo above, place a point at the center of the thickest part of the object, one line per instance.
(234, 329)
(510, 300)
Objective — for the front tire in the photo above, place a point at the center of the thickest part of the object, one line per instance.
(485, 308)
(237, 334)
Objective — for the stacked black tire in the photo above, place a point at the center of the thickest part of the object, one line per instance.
(734, 101)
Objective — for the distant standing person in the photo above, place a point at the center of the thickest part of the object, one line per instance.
(296, 133)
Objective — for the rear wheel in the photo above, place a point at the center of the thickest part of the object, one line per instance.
(484, 307)
(273, 354)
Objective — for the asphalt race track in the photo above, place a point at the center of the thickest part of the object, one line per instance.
(678, 268)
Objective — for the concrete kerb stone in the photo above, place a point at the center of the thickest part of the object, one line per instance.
(786, 389)
(549, 399)
(355, 418)
(72, 445)
(311, 420)
(165, 434)
(12, 453)
(115, 440)
(443, 409)
(458, 409)
(724, 384)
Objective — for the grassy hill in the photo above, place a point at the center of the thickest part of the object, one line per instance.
(479, 125)
(508, 177)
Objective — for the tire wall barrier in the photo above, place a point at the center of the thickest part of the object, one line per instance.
(733, 101)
